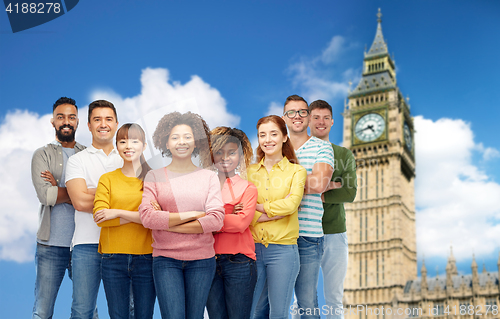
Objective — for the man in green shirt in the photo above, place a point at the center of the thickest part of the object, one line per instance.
(341, 189)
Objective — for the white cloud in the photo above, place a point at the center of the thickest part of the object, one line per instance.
(333, 50)
(275, 108)
(317, 77)
(489, 153)
(22, 132)
(457, 203)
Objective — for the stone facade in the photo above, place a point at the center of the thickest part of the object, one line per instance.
(382, 268)
(453, 295)
(381, 221)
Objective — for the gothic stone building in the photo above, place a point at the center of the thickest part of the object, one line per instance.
(453, 295)
(379, 130)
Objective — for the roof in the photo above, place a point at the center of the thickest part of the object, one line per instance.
(379, 47)
(374, 82)
(440, 281)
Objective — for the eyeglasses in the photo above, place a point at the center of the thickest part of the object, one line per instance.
(302, 113)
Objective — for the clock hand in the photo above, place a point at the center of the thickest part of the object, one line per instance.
(368, 127)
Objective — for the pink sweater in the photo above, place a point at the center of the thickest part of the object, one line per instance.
(176, 192)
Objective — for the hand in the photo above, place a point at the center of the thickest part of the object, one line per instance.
(47, 176)
(238, 208)
(276, 217)
(105, 214)
(265, 218)
(260, 208)
(155, 205)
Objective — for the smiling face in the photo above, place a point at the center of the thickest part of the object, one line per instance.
(130, 149)
(271, 139)
(296, 124)
(321, 123)
(227, 158)
(103, 125)
(181, 141)
(65, 122)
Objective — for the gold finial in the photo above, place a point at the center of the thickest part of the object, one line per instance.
(379, 16)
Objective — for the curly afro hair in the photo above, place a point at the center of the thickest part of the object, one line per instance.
(222, 135)
(201, 132)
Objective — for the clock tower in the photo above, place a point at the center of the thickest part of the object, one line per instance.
(378, 129)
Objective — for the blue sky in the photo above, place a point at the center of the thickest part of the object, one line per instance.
(235, 62)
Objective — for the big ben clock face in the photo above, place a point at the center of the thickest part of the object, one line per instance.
(407, 136)
(369, 127)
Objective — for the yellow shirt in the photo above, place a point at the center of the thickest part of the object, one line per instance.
(118, 191)
(280, 190)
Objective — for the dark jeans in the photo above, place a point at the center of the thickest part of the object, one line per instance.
(232, 288)
(120, 274)
(182, 286)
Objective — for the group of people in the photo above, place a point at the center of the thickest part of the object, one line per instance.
(215, 232)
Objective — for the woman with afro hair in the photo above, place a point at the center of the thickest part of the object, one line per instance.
(182, 205)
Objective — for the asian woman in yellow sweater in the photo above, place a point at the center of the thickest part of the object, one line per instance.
(125, 244)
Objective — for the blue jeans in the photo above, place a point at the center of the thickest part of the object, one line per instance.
(51, 263)
(124, 275)
(182, 286)
(86, 269)
(334, 268)
(277, 269)
(306, 286)
(232, 288)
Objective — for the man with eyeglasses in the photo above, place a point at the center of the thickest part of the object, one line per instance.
(316, 156)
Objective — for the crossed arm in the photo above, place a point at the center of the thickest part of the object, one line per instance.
(62, 192)
(47, 191)
(82, 197)
(319, 180)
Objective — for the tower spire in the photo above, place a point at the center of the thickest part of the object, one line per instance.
(452, 263)
(378, 68)
(379, 47)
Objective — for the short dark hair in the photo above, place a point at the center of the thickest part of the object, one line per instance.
(320, 104)
(200, 129)
(294, 97)
(64, 100)
(101, 103)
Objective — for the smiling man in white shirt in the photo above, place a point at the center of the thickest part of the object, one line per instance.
(82, 177)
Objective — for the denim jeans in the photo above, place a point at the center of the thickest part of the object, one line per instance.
(277, 269)
(86, 270)
(306, 286)
(334, 268)
(232, 288)
(182, 286)
(123, 274)
(51, 263)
